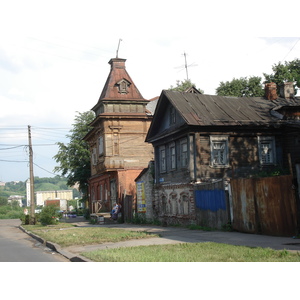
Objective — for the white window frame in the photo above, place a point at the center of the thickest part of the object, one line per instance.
(266, 150)
(219, 157)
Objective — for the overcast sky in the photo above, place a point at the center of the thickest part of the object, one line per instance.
(54, 59)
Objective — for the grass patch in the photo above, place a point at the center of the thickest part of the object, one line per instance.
(192, 252)
(67, 235)
(41, 227)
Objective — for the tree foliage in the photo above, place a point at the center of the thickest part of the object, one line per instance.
(182, 86)
(285, 72)
(49, 215)
(74, 157)
(242, 87)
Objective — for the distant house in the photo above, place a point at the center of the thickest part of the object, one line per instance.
(16, 198)
(42, 196)
(117, 139)
(201, 139)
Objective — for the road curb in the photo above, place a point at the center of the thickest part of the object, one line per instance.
(55, 247)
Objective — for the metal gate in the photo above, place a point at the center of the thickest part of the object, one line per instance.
(212, 208)
(264, 205)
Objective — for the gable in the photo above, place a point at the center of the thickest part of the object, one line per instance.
(167, 118)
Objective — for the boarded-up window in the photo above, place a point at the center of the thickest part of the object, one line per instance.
(164, 204)
(185, 204)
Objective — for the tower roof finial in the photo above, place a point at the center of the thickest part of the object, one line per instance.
(118, 48)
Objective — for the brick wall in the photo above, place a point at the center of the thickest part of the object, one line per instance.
(174, 204)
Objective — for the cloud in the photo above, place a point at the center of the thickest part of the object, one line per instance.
(54, 55)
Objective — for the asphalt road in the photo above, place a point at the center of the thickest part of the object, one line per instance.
(17, 246)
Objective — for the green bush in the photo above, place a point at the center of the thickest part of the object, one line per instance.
(25, 219)
(139, 218)
(10, 212)
(49, 215)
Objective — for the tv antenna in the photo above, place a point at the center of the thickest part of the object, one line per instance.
(118, 48)
(186, 66)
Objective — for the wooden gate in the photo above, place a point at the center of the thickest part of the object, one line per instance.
(264, 205)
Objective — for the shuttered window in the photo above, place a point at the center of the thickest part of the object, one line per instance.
(219, 151)
(266, 146)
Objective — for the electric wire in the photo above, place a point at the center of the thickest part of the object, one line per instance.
(291, 49)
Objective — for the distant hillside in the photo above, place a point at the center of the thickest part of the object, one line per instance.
(54, 184)
(40, 184)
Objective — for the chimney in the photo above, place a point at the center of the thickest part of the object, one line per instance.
(270, 91)
(287, 90)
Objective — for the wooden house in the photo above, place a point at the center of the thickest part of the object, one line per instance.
(201, 139)
(117, 141)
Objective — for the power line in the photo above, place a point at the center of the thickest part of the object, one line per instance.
(17, 161)
(291, 49)
(14, 147)
(45, 169)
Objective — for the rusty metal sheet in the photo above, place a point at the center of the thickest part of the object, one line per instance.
(276, 205)
(243, 205)
(264, 205)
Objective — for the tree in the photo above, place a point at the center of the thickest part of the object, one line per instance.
(3, 200)
(183, 86)
(74, 158)
(242, 87)
(286, 72)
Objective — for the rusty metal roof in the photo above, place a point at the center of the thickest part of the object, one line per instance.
(199, 109)
(117, 75)
(210, 110)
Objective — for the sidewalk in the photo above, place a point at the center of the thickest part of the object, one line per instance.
(174, 235)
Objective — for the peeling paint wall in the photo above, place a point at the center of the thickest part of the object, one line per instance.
(174, 204)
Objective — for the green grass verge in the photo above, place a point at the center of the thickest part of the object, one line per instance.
(192, 252)
(67, 235)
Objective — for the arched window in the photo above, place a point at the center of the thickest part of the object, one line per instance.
(164, 204)
(185, 204)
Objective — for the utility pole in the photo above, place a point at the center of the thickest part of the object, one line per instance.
(32, 204)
